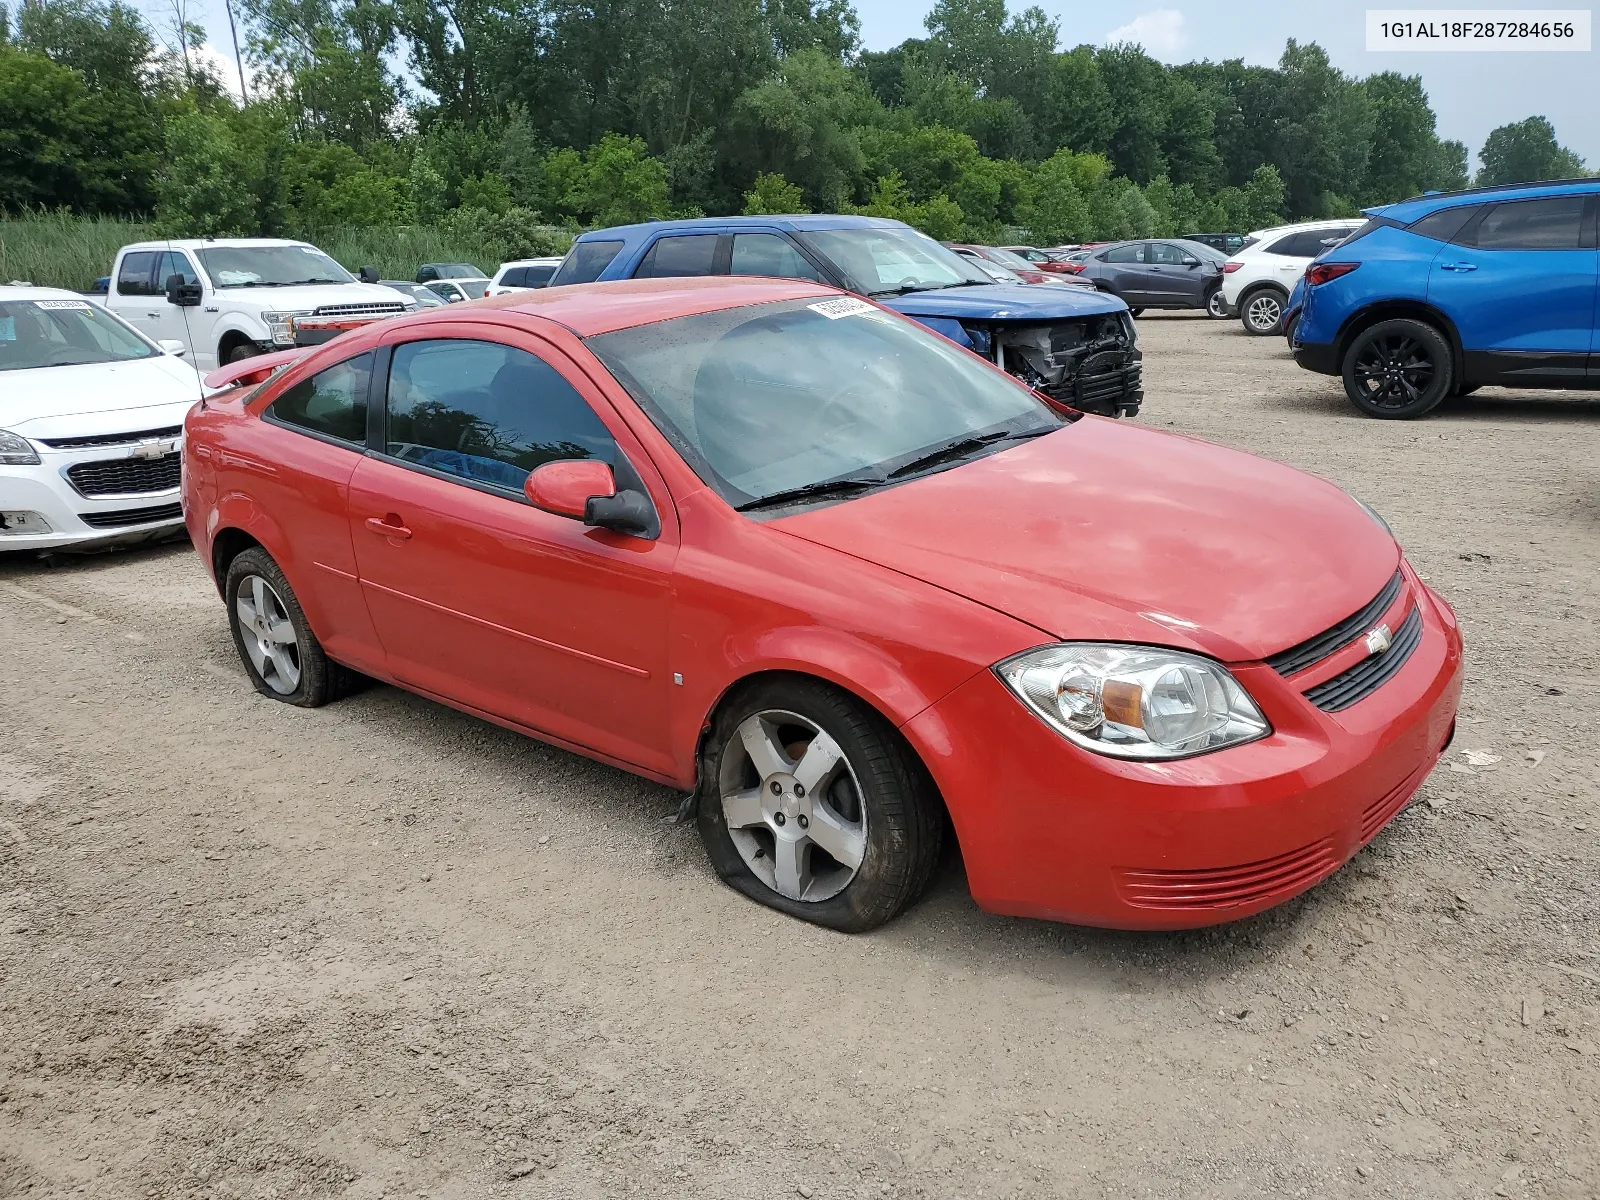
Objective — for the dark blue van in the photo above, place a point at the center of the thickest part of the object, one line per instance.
(1439, 295)
(1076, 345)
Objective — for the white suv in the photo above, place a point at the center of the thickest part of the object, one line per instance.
(1258, 279)
(523, 274)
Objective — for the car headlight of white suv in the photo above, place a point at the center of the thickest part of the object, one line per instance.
(1142, 702)
(17, 451)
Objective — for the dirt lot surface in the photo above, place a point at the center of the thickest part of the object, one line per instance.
(383, 949)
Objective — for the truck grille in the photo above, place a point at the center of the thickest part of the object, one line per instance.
(112, 439)
(132, 516)
(374, 309)
(125, 476)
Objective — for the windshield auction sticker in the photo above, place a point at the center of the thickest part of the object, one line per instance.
(62, 305)
(845, 306)
(1466, 30)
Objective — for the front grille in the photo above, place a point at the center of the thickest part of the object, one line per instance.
(132, 516)
(1368, 675)
(1314, 650)
(125, 476)
(112, 439)
(1103, 388)
(1228, 887)
(371, 308)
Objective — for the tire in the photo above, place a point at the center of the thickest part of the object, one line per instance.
(1465, 389)
(1398, 369)
(1216, 306)
(1136, 312)
(241, 352)
(1261, 311)
(1288, 329)
(280, 654)
(882, 815)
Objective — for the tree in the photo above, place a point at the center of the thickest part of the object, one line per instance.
(773, 195)
(1524, 152)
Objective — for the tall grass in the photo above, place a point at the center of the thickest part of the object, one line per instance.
(61, 250)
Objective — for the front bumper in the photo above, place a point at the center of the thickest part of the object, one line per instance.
(41, 508)
(1049, 830)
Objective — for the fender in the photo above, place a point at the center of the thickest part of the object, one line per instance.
(237, 510)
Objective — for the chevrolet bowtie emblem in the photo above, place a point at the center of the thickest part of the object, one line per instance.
(1378, 640)
(153, 450)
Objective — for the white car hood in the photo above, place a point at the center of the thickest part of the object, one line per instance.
(304, 299)
(96, 398)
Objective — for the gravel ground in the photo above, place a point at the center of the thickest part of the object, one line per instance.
(382, 949)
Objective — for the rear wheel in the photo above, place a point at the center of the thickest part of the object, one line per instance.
(1398, 369)
(1216, 306)
(280, 653)
(812, 804)
(1261, 312)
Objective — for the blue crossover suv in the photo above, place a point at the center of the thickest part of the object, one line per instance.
(1439, 295)
(1075, 345)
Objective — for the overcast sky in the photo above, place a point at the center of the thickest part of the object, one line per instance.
(1471, 93)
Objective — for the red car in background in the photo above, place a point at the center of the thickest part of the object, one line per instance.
(1028, 272)
(1041, 259)
(845, 583)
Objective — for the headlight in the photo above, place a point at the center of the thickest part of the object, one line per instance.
(281, 326)
(16, 451)
(1134, 701)
(1373, 513)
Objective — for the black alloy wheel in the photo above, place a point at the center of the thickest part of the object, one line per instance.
(1398, 369)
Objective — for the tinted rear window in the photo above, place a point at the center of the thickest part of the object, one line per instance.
(1552, 223)
(673, 257)
(1442, 226)
(586, 262)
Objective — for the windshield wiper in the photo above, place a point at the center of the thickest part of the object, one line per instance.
(963, 446)
(299, 282)
(810, 491)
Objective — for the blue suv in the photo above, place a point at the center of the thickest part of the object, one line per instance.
(1076, 345)
(1440, 295)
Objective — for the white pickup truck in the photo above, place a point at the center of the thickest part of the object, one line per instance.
(231, 298)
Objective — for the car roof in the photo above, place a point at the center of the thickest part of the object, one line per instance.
(793, 223)
(29, 292)
(593, 308)
(1407, 211)
(1326, 223)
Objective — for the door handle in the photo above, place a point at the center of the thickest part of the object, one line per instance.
(388, 526)
(1458, 266)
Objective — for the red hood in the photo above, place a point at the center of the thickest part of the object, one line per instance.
(1106, 531)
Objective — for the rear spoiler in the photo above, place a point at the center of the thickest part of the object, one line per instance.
(256, 369)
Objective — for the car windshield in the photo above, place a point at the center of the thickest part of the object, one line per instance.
(457, 271)
(270, 266)
(885, 261)
(476, 288)
(64, 333)
(815, 396)
(1007, 259)
(1202, 251)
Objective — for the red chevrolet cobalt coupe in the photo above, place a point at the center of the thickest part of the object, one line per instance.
(837, 577)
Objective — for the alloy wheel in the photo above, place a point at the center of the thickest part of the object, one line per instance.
(1216, 306)
(792, 804)
(1263, 312)
(1394, 371)
(268, 634)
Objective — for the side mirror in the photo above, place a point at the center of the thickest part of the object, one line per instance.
(184, 295)
(368, 274)
(567, 487)
(173, 347)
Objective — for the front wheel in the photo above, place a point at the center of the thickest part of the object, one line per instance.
(1136, 312)
(1261, 312)
(1216, 306)
(1398, 369)
(812, 804)
(243, 351)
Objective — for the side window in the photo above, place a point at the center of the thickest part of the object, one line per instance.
(515, 277)
(1165, 254)
(444, 291)
(174, 263)
(586, 262)
(487, 412)
(1133, 252)
(332, 402)
(769, 254)
(1554, 223)
(1288, 246)
(1445, 224)
(537, 276)
(671, 257)
(136, 275)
